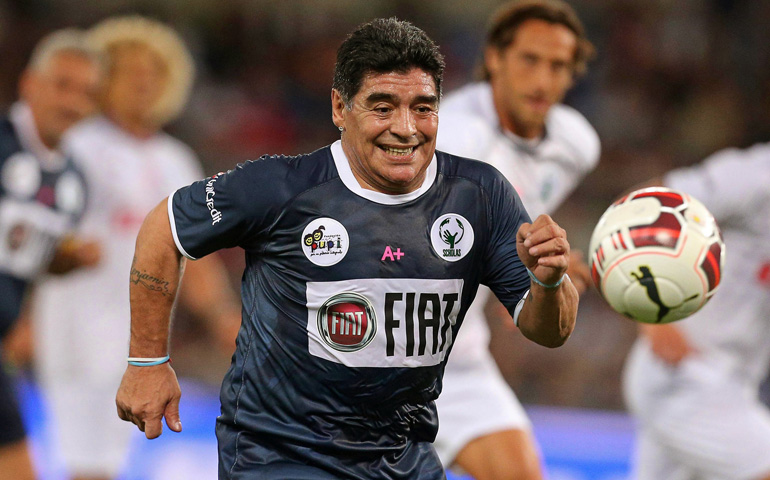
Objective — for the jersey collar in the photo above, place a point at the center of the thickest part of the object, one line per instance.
(24, 123)
(347, 177)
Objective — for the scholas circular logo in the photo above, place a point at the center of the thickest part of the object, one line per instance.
(451, 237)
(325, 241)
(347, 322)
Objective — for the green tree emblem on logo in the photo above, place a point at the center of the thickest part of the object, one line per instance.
(448, 236)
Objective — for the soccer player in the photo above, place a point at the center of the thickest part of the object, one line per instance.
(513, 120)
(42, 195)
(693, 385)
(361, 260)
(130, 164)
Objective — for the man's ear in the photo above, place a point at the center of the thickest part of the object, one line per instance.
(27, 83)
(338, 105)
(492, 60)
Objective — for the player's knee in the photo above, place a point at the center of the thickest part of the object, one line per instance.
(16, 462)
(515, 469)
(504, 455)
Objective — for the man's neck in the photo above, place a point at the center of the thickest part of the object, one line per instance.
(509, 124)
(51, 142)
(133, 126)
(527, 132)
(26, 123)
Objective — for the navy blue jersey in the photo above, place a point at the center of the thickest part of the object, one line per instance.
(38, 204)
(351, 301)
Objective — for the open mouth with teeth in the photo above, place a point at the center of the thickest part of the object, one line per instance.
(399, 152)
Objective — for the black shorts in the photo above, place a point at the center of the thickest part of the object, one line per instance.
(11, 426)
(245, 456)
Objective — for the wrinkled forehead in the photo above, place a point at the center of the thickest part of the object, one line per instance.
(66, 62)
(404, 84)
(75, 59)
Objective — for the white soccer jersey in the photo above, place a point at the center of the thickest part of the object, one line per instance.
(733, 329)
(544, 172)
(702, 417)
(82, 320)
(127, 177)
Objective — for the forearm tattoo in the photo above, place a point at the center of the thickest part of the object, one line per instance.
(149, 282)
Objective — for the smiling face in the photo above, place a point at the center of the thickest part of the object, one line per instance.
(531, 74)
(390, 130)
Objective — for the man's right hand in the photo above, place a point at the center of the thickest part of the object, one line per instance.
(668, 343)
(148, 394)
(73, 253)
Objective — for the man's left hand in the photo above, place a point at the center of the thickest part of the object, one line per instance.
(543, 248)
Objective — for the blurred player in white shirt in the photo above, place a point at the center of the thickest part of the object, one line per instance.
(42, 196)
(514, 121)
(82, 323)
(693, 385)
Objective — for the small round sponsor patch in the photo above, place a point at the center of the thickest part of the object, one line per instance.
(325, 241)
(451, 236)
(70, 193)
(21, 176)
(347, 322)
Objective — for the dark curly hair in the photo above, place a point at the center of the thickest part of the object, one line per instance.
(381, 46)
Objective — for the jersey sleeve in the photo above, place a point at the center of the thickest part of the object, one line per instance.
(505, 274)
(727, 183)
(223, 211)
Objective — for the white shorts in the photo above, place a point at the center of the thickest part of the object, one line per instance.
(92, 440)
(475, 401)
(695, 421)
(80, 354)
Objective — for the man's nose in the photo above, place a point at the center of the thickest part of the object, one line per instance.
(542, 76)
(404, 124)
(79, 103)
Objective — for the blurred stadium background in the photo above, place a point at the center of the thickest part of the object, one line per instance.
(674, 80)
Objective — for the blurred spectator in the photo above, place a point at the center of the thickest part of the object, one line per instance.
(82, 324)
(42, 196)
(513, 119)
(693, 385)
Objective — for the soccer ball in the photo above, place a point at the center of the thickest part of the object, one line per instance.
(657, 255)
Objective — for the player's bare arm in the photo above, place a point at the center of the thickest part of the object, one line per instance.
(667, 342)
(149, 393)
(548, 315)
(579, 272)
(149, 281)
(72, 253)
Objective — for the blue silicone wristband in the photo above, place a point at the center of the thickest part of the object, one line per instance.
(545, 285)
(136, 362)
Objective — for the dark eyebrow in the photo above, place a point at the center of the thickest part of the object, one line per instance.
(380, 97)
(388, 97)
(430, 99)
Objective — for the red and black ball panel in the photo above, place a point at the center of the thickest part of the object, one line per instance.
(663, 232)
